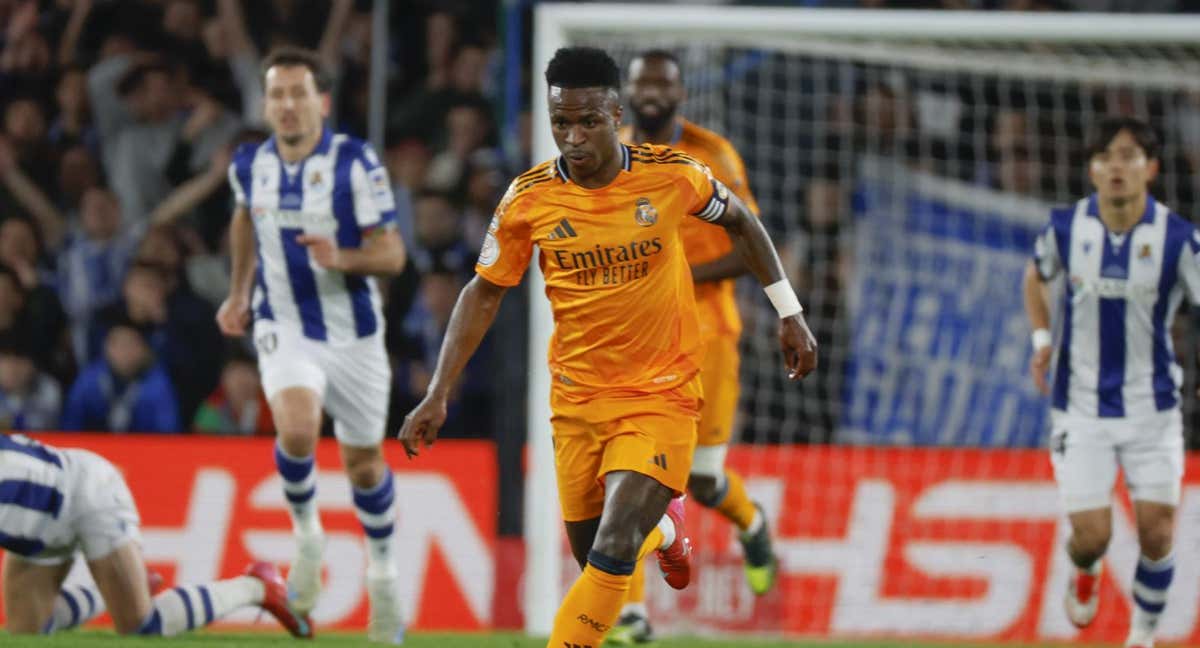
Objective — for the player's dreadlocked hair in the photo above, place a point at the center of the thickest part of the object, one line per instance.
(583, 67)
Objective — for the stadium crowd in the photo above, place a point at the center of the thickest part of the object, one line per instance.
(119, 119)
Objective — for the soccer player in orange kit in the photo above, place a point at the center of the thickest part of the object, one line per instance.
(625, 354)
(655, 90)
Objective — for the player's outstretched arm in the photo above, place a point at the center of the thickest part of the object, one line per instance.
(1039, 321)
(473, 315)
(754, 247)
(382, 253)
(234, 314)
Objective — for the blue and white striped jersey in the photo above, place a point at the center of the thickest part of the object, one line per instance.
(1115, 357)
(33, 485)
(340, 191)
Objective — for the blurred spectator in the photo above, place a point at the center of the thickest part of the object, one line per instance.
(77, 172)
(42, 315)
(423, 331)
(408, 163)
(238, 406)
(26, 53)
(456, 72)
(884, 114)
(439, 232)
(25, 130)
(125, 390)
(204, 202)
(29, 399)
(92, 264)
(485, 185)
(468, 130)
(1013, 166)
(12, 299)
(73, 125)
(146, 135)
(19, 194)
(177, 325)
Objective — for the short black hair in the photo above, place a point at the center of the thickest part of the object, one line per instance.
(659, 54)
(17, 341)
(118, 316)
(583, 67)
(292, 56)
(1104, 132)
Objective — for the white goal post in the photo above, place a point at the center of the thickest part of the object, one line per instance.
(931, 40)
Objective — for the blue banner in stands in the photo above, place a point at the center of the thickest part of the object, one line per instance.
(940, 340)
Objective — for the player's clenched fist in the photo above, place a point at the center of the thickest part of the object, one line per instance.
(798, 345)
(323, 250)
(233, 316)
(422, 424)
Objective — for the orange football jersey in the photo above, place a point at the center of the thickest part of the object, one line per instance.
(704, 242)
(616, 274)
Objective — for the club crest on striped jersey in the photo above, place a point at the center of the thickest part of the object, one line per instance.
(645, 214)
(316, 180)
(1146, 253)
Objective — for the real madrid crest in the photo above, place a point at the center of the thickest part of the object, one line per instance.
(645, 214)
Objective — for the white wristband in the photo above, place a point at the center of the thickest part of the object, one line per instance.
(1041, 339)
(783, 298)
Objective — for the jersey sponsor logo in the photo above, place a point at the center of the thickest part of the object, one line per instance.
(1113, 288)
(609, 265)
(645, 214)
(309, 221)
(599, 256)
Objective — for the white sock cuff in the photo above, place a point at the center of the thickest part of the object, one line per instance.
(756, 523)
(634, 608)
(1166, 562)
(668, 530)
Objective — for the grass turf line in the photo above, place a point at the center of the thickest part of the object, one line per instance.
(102, 639)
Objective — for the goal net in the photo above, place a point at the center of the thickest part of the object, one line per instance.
(904, 163)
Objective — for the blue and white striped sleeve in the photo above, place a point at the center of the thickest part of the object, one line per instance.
(1045, 254)
(1189, 267)
(374, 202)
(239, 173)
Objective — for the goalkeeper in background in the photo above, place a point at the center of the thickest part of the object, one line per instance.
(655, 89)
(1114, 392)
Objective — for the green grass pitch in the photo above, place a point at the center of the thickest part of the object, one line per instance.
(100, 639)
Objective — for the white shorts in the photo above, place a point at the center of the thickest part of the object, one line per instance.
(352, 381)
(1086, 452)
(99, 515)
